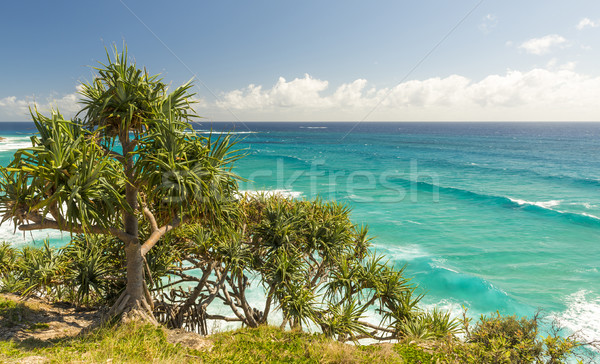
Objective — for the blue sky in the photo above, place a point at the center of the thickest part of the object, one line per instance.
(319, 60)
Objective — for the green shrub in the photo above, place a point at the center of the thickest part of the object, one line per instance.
(40, 269)
(7, 259)
(509, 339)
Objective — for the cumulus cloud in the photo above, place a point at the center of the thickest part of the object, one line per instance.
(543, 45)
(556, 92)
(13, 108)
(587, 23)
(538, 94)
(298, 92)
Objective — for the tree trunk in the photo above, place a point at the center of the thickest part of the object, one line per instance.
(133, 304)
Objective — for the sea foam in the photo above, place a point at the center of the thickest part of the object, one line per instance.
(582, 315)
(542, 204)
(14, 143)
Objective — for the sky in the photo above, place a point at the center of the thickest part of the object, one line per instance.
(461, 60)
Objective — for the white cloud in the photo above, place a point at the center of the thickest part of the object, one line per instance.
(13, 108)
(298, 92)
(587, 23)
(556, 92)
(543, 45)
(559, 93)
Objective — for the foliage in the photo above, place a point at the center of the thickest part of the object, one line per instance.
(431, 325)
(312, 263)
(130, 157)
(91, 274)
(509, 339)
(40, 269)
(7, 258)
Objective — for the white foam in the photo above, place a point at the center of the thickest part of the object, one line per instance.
(455, 308)
(587, 205)
(313, 127)
(582, 315)
(269, 193)
(406, 253)
(590, 215)
(14, 143)
(542, 204)
(440, 263)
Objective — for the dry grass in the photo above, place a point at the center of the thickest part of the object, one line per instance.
(139, 343)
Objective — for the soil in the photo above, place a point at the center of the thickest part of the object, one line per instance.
(47, 321)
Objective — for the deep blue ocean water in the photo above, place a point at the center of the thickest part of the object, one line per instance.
(491, 216)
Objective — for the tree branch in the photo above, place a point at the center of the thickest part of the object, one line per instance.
(378, 328)
(159, 233)
(220, 317)
(76, 228)
(150, 218)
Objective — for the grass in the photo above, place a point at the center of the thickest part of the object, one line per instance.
(135, 343)
(125, 344)
(139, 343)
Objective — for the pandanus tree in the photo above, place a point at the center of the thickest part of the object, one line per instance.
(305, 259)
(129, 157)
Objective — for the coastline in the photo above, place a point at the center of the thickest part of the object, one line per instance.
(442, 242)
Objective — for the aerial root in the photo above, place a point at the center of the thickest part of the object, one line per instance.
(131, 311)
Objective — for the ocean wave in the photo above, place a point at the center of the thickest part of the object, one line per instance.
(546, 208)
(590, 215)
(581, 315)
(547, 205)
(542, 204)
(589, 182)
(313, 127)
(477, 293)
(288, 158)
(14, 143)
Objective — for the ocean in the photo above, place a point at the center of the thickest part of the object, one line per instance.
(490, 216)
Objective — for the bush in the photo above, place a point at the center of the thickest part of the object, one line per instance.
(313, 263)
(509, 339)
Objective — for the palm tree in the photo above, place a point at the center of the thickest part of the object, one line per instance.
(130, 154)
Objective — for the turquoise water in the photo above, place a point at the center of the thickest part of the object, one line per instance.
(492, 216)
